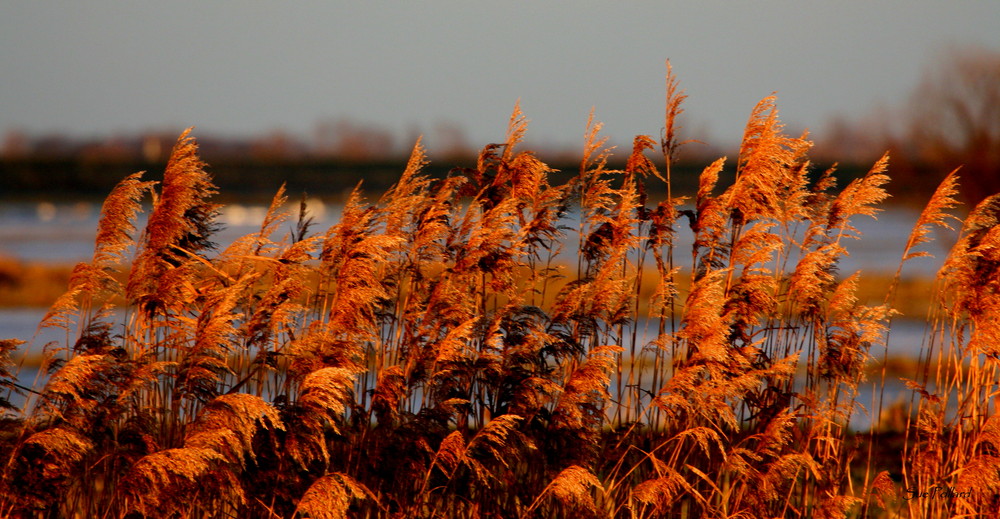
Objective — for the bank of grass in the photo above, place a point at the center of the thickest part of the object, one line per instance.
(30, 284)
(428, 355)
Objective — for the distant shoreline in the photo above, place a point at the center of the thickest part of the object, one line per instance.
(248, 180)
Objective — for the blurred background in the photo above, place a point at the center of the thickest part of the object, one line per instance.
(320, 95)
(306, 92)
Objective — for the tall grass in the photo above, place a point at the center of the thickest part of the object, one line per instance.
(492, 345)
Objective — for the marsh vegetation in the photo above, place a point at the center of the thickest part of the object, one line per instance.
(434, 354)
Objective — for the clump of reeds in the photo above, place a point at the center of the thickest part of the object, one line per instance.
(953, 432)
(473, 346)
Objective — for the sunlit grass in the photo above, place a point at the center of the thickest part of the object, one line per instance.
(435, 354)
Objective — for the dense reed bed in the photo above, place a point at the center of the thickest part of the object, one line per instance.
(435, 354)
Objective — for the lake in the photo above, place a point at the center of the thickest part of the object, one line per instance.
(64, 232)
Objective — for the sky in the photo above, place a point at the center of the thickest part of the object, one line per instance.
(241, 68)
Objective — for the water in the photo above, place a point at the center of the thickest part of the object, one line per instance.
(64, 233)
(906, 340)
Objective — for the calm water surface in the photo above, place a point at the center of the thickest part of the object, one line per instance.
(64, 233)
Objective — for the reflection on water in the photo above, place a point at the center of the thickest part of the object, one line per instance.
(65, 233)
(51, 232)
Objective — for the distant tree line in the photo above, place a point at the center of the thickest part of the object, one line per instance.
(952, 120)
(247, 178)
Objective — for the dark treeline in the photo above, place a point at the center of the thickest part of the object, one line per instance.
(255, 179)
(951, 120)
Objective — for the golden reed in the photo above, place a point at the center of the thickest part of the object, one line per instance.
(434, 353)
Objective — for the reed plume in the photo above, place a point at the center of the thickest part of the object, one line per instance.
(495, 343)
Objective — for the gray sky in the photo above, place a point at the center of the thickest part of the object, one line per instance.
(241, 68)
